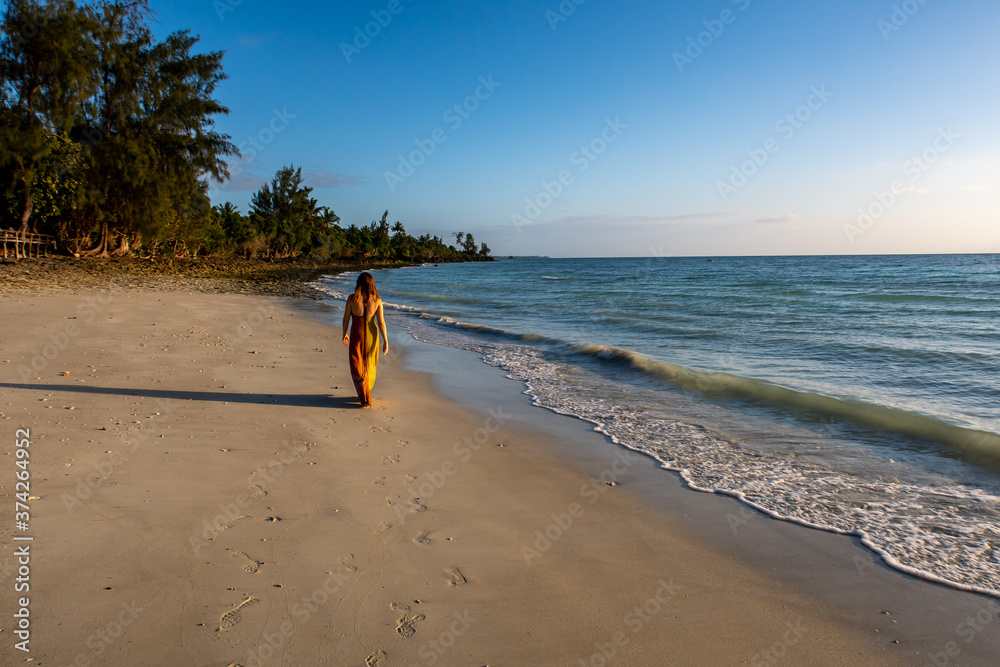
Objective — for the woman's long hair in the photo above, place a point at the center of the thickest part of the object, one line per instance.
(365, 290)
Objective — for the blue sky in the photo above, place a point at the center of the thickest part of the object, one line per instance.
(724, 127)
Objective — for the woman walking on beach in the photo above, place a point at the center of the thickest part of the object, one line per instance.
(364, 313)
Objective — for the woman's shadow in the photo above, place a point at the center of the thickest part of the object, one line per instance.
(298, 400)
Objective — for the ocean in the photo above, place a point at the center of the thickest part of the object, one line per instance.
(859, 395)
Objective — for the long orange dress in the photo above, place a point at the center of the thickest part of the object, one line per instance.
(363, 348)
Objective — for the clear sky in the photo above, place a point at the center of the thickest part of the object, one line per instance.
(639, 128)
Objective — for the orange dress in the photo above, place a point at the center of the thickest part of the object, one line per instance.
(363, 347)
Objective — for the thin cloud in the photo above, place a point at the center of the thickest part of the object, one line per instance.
(318, 178)
(241, 179)
(253, 41)
(634, 220)
(770, 221)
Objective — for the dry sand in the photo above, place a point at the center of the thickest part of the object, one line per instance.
(205, 491)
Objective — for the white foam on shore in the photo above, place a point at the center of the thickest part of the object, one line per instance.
(948, 533)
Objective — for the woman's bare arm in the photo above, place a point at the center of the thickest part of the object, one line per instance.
(381, 327)
(347, 320)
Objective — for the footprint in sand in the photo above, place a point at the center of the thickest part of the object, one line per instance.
(417, 506)
(391, 500)
(422, 538)
(248, 564)
(257, 491)
(382, 527)
(399, 606)
(386, 460)
(226, 525)
(405, 626)
(381, 429)
(234, 616)
(379, 482)
(403, 443)
(410, 478)
(346, 562)
(455, 577)
(375, 658)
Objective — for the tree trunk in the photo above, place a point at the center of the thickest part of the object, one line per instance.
(101, 250)
(123, 247)
(19, 245)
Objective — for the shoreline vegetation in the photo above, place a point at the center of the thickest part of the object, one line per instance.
(108, 144)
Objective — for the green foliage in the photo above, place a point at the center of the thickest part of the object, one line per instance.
(107, 142)
(56, 188)
(283, 213)
(139, 113)
(285, 221)
(43, 78)
(379, 235)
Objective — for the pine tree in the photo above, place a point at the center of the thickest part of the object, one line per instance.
(469, 247)
(285, 214)
(149, 131)
(44, 78)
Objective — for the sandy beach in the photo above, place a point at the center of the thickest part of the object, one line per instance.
(204, 490)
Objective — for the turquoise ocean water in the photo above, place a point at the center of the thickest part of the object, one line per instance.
(853, 394)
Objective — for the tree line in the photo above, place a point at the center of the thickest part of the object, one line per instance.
(108, 142)
(285, 221)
